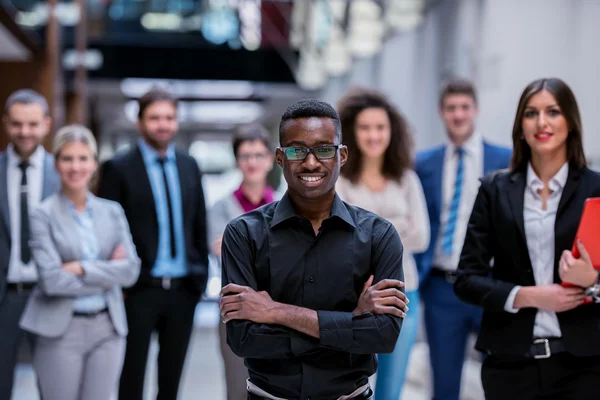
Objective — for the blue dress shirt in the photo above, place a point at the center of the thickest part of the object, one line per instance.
(89, 252)
(165, 265)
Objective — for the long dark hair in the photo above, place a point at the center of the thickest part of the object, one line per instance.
(398, 155)
(568, 104)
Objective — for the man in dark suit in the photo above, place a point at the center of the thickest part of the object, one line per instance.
(450, 177)
(27, 176)
(160, 190)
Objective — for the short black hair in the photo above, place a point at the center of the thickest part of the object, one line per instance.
(307, 109)
(250, 133)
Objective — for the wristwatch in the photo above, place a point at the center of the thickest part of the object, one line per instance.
(594, 290)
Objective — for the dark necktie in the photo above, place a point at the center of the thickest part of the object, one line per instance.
(25, 250)
(162, 161)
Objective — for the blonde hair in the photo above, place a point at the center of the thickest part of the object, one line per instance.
(74, 133)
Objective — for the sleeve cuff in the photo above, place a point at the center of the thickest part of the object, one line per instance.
(335, 329)
(510, 301)
(301, 344)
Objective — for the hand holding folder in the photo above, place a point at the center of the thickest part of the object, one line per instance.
(588, 237)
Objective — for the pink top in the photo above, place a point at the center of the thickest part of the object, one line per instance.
(247, 205)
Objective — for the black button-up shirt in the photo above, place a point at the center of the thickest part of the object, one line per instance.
(274, 249)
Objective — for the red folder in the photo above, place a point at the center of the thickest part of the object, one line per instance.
(589, 234)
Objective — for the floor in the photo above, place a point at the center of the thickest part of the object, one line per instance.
(203, 374)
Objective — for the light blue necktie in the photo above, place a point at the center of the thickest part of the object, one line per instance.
(454, 205)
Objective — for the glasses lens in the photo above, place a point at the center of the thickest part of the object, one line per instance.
(325, 152)
(295, 153)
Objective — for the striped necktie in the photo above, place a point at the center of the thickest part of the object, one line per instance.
(448, 238)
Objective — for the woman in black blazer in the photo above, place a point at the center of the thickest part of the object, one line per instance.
(541, 341)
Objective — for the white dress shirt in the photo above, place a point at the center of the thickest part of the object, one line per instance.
(539, 234)
(17, 271)
(473, 170)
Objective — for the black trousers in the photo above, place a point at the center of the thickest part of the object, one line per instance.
(171, 314)
(560, 377)
(11, 307)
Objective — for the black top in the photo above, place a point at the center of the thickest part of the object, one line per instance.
(496, 231)
(124, 179)
(274, 249)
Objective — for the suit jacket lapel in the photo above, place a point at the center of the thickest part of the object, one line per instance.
(67, 223)
(562, 239)
(102, 226)
(140, 175)
(183, 177)
(4, 210)
(516, 197)
(437, 177)
(50, 180)
(488, 159)
(569, 189)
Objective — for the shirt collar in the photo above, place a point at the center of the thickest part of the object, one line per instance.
(150, 155)
(36, 160)
(558, 181)
(285, 211)
(471, 146)
(88, 203)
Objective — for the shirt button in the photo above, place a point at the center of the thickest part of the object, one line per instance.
(311, 280)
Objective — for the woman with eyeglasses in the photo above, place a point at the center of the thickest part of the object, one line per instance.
(378, 177)
(540, 339)
(254, 159)
(84, 254)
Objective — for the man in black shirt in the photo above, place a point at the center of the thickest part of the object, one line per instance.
(298, 298)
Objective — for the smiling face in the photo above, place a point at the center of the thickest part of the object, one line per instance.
(76, 165)
(545, 128)
(26, 126)
(255, 161)
(458, 111)
(158, 124)
(311, 178)
(373, 132)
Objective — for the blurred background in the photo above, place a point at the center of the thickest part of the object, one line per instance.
(238, 61)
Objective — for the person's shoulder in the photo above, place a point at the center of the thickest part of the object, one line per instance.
(591, 177)
(366, 220)
(46, 207)
(498, 179)
(409, 177)
(112, 206)
(427, 155)
(500, 151)
(121, 159)
(253, 221)
(184, 156)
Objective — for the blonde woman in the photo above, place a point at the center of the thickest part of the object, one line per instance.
(82, 248)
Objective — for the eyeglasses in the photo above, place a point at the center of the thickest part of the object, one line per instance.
(320, 152)
(257, 156)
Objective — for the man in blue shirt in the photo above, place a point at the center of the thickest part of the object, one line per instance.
(160, 190)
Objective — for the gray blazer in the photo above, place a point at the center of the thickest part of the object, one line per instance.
(54, 241)
(50, 185)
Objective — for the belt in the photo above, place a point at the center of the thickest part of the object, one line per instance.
(167, 283)
(90, 314)
(364, 395)
(545, 348)
(450, 276)
(21, 286)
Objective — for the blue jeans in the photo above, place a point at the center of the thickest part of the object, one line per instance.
(391, 372)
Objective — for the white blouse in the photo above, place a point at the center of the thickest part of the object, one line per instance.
(402, 204)
(539, 234)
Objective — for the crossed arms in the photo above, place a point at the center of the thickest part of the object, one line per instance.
(258, 327)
